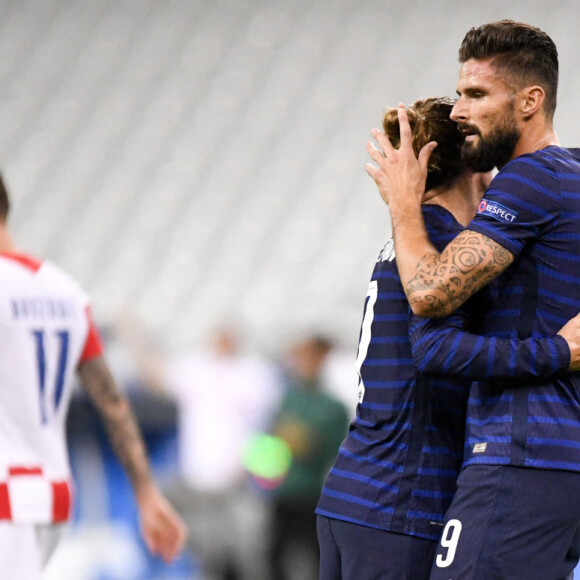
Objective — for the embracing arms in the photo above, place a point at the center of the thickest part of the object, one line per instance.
(443, 346)
(438, 283)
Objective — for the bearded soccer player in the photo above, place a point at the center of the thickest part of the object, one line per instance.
(516, 513)
(382, 507)
(46, 335)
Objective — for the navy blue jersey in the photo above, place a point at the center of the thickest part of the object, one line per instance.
(397, 468)
(532, 209)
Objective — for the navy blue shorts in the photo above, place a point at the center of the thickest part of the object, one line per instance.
(511, 523)
(353, 552)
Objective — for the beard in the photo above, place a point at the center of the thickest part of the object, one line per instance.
(495, 150)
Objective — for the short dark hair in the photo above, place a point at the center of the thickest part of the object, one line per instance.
(526, 54)
(430, 121)
(4, 200)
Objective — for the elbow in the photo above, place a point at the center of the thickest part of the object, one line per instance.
(419, 308)
(429, 306)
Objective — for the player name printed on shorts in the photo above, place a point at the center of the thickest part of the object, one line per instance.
(480, 447)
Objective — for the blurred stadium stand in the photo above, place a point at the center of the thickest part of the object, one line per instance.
(194, 160)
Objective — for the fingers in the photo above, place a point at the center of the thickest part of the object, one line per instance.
(386, 146)
(372, 170)
(166, 543)
(404, 127)
(171, 540)
(383, 141)
(169, 551)
(425, 153)
(398, 173)
(376, 155)
(407, 137)
(163, 530)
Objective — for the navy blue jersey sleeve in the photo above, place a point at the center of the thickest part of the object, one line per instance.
(443, 346)
(522, 202)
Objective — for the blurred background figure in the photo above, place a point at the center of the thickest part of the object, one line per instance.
(223, 396)
(313, 423)
(106, 514)
(48, 339)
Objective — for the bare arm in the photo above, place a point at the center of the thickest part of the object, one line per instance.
(161, 527)
(118, 420)
(435, 284)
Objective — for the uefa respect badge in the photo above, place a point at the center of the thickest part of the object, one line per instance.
(497, 211)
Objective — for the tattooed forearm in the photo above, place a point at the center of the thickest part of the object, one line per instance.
(442, 282)
(118, 419)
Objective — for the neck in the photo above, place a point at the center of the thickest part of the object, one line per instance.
(536, 134)
(461, 198)
(6, 245)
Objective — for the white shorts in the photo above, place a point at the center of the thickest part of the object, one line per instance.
(25, 549)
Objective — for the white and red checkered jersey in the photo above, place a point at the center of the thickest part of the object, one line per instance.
(46, 330)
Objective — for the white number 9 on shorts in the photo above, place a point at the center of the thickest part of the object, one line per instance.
(449, 539)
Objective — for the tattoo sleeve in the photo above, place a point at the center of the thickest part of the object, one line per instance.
(118, 419)
(442, 282)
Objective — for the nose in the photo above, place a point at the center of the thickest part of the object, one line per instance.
(458, 111)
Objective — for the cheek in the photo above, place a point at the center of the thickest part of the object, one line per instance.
(489, 120)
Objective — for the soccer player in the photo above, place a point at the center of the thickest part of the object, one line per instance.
(381, 511)
(46, 334)
(516, 513)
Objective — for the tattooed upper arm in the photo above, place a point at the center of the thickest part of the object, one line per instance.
(445, 281)
(98, 382)
(116, 414)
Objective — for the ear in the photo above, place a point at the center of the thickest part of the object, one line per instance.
(531, 101)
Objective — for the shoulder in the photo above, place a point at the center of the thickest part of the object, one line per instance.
(534, 178)
(58, 279)
(544, 165)
(441, 225)
(19, 264)
(437, 217)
